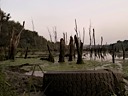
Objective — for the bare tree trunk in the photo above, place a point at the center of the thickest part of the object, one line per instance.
(26, 53)
(90, 46)
(14, 43)
(66, 39)
(123, 49)
(62, 50)
(94, 43)
(79, 46)
(50, 34)
(102, 49)
(79, 50)
(71, 48)
(50, 57)
(55, 33)
(113, 53)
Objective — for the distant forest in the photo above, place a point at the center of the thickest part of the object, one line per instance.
(28, 38)
(119, 44)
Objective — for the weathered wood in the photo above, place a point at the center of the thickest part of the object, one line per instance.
(113, 53)
(14, 42)
(50, 57)
(71, 49)
(26, 53)
(62, 50)
(83, 83)
(79, 47)
(123, 49)
(94, 43)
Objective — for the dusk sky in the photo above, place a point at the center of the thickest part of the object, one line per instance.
(109, 18)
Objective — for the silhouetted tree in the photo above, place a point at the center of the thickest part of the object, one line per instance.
(62, 50)
(71, 48)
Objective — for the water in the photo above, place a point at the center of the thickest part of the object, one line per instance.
(36, 73)
(108, 57)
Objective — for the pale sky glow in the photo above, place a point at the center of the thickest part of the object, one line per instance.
(108, 17)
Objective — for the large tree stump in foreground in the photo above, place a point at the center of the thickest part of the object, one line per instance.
(83, 83)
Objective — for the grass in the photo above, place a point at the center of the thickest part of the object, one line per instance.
(125, 67)
(48, 66)
(20, 61)
(5, 87)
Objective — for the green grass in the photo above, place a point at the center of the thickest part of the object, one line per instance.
(5, 87)
(46, 66)
(125, 67)
(20, 61)
(66, 66)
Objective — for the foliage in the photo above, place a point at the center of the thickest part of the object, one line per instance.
(29, 38)
(118, 45)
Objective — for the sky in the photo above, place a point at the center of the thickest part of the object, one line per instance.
(109, 18)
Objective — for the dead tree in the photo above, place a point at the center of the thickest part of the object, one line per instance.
(66, 47)
(55, 33)
(26, 53)
(66, 39)
(50, 35)
(79, 46)
(62, 50)
(94, 43)
(55, 38)
(14, 43)
(71, 48)
(123, 49)
(101, 48)
(50, 57)
(90, 45)
(83, 35)
(113, 53)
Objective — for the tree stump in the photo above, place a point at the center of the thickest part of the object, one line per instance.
(71, 48)
(79, 46)
(62, 50)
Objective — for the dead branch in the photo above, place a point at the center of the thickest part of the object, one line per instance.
(76, 28)
(50, 34)
(83, 35)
